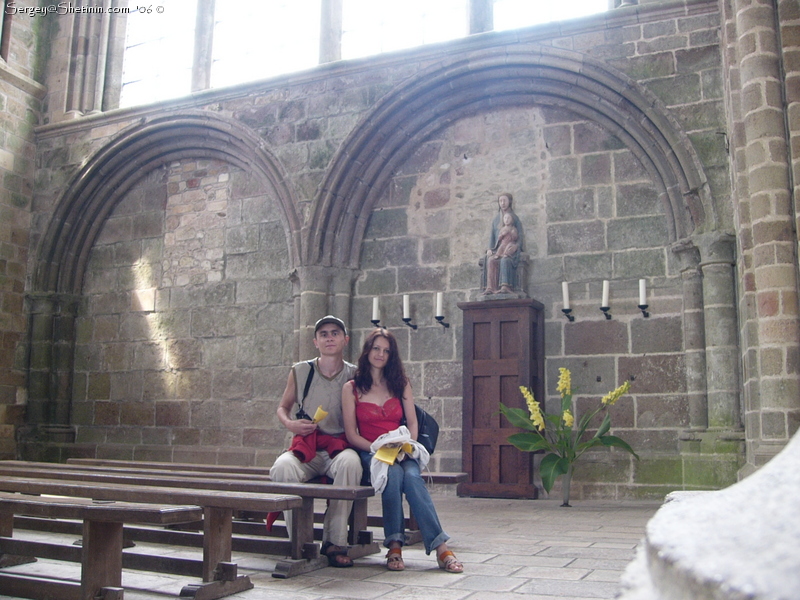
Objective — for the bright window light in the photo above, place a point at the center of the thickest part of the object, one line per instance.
(512, 14)
(372, 27)
(157, 64)
(255, 40)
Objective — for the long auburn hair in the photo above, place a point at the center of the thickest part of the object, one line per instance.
(393, 372)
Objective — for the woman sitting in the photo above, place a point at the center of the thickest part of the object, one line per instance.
(373, 404)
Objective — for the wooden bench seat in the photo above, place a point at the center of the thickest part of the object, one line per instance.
(300, 547)
(101, 551)
(238, 472)
(443, 477)
(218, 575)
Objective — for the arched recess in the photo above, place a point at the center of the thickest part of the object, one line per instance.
(94, 192)
(79, 216)
(497, 78)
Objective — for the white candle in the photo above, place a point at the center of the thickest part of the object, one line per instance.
(406, 307)
(604, 302)
(376, 311)
(565, 294)
(642, 292)
(439, 304)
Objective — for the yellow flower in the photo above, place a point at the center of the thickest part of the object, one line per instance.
(533, 406)
(564, 382)
(569, 420)
(611, 397)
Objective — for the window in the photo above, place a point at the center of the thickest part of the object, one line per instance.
(157, 64)
(371, 27)
(512, 14)
(254, 40)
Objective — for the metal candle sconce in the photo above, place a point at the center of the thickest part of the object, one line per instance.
(407, 311)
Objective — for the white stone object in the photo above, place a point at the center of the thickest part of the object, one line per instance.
(739, 543)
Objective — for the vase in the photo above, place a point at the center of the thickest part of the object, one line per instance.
(565, 484)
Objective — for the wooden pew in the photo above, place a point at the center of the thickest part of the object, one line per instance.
(301, 547)
(443, 477)
(237, 471)
(101, 551)
(218, 574)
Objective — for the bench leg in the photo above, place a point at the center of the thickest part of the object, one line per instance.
(101, 563)
(302, 534)
(217, 534)
(6, 524)
(358, 522)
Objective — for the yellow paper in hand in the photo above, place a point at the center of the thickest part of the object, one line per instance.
(319, 415)
(407, 448)
(387, 454)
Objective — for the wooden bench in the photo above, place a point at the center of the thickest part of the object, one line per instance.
(218, 574)
(101, 551)
(442, 477)
(301, 549)
(237, 471)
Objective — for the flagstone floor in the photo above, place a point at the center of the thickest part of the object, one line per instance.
(511, 550)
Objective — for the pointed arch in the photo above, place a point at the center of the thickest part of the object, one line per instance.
(107, 176)
(487, 80)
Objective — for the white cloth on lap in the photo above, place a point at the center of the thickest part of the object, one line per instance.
(379, 470)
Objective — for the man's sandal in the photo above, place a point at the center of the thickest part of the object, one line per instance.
(337, 556)
(448, 562)
(394, 559)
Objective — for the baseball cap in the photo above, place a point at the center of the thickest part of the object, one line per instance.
(330, 319)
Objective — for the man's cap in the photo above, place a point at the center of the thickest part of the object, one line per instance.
(330, 319)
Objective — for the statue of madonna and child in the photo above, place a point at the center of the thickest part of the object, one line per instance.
(501, 267)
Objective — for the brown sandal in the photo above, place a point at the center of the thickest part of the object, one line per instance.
(337, 556)
(449, 563)
(394, 560)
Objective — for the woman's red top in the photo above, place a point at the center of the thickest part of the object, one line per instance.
(373, 420)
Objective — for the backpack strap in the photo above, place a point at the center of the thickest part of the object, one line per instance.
(310, 364)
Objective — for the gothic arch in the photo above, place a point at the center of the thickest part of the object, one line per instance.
(493, 79)
(93, 193)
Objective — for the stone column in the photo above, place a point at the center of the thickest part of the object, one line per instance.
(341, 302)
(314, 283)
(481, 16)
(203, 45)
(321, 291)
(774, 336)
(330, 31)
(51, 357)
(717, 252)
(96, 96)
(694, 334)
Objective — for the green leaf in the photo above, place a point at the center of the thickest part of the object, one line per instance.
(517, 417)
(604, 426)
(529, 442)
(581, 448)
(566, 402)
(612, 440)
(550, 468)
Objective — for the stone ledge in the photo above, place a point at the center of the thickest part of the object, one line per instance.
(732, 544)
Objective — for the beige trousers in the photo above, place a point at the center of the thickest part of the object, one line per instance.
(343, 469)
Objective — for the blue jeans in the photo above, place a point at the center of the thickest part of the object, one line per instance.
(405, 478)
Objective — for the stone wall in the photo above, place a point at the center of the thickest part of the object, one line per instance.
(20, 107)
(216, 229)
(187, 322)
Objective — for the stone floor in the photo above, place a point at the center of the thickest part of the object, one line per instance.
(511, 549)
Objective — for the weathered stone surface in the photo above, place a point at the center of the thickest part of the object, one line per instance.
(655, 374)
(572, 238)
(596, 337)
(655, 335)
